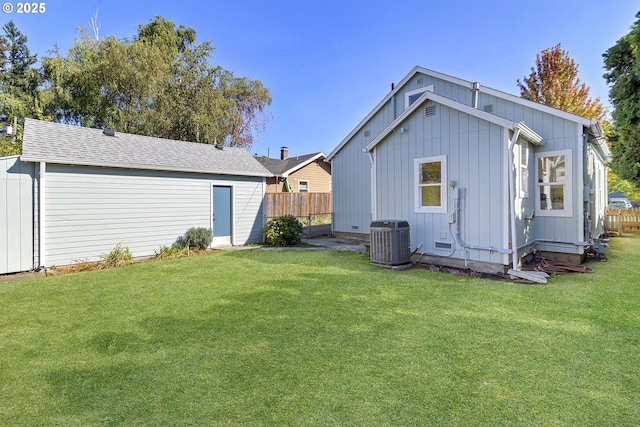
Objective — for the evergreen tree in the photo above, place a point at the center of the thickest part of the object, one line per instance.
(19, 87)
(622, 62)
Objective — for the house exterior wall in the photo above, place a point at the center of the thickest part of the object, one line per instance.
(88, 211)
(475, 153)
(559, 134)
(351, 188)
(549, 231)
(351, 168)
(274, 185)
(318, 173)
(16, 215)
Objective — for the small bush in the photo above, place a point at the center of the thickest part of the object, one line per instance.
(174, 251)
(198, 238)
(283, 231)
(120, 255)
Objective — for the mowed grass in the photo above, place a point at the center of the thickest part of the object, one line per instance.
(308, 338)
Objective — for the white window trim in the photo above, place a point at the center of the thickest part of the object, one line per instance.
(568, 193)
(523, 168)
(300, 181)
(443, 185)
(407, 95)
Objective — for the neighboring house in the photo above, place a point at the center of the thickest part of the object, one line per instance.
(90, 190)
(483, 177)
(307, 173)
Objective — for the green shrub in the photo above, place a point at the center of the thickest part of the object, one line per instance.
(283, 231)
(120, 255)
(198, 238)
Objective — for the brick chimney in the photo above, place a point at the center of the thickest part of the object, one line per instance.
(284, 153)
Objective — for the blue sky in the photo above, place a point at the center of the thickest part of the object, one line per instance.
(327, 63)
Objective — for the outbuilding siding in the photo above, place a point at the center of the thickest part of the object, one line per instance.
(91, 210)
(16, 215)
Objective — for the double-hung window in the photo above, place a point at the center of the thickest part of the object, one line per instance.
(430, 184)
(553, 181)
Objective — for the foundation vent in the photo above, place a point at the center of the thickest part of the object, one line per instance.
(443, 245)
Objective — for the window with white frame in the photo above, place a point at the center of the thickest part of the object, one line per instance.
(431, 184)
(553, 176)
(303, 186)
(413, 95)
(522, 167)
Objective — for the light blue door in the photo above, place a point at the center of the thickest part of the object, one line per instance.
(221, 215)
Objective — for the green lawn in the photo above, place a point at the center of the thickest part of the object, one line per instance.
(306, 338)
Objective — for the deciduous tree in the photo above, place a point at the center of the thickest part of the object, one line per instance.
(554, 82)
(159, 83)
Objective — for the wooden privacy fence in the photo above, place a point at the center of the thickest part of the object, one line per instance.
(301, 205)
(623, 221)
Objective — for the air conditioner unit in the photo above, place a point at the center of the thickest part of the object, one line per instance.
(389, 240)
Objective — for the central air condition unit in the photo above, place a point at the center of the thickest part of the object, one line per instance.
(389, 242)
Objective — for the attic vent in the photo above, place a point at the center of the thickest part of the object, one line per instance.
(367, 133)
(442, 245)
(420, 81)
(488, 108)
(430, 110)
(109, 132)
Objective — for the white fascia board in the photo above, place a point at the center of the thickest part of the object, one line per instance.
(535, 105)
(303, 164)
(448, 103)
(377, 108)
(445, 77)
(530, 135)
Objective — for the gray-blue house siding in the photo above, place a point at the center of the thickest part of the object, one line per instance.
(493, 146)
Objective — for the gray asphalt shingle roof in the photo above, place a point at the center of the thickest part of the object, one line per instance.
(59, 143)
(278, 166)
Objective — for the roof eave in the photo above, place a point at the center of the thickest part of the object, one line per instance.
(144, 167)
(448, 103)
(303, 164)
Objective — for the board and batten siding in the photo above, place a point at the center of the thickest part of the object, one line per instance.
(351, 176)
(559, 134)
(91, 210)
(474, 151)
(16, 215)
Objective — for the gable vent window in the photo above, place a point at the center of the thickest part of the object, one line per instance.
(412, 96)
(420, 81)
(488, 108)
(367, 133)
(430, 110)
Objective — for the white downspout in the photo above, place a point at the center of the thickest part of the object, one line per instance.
(533, 276)
(372, 160)
(42, 211)
(512, 197)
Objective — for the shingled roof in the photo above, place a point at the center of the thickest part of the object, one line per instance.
(65, 144)
(284, 167)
